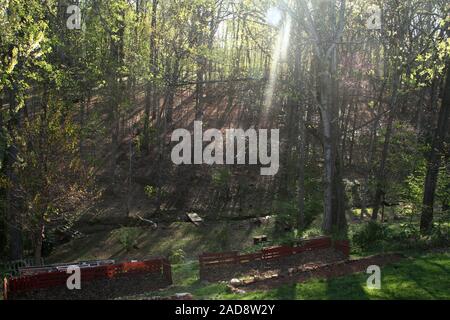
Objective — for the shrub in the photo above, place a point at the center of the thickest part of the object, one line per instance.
(128, 238)
(151, 191)
(221, 177)
(369, 235)
(440, 237)
(312, 232)
(286, 214)
(177, 256)
(313, 209)
(408, 231)
(155, 193)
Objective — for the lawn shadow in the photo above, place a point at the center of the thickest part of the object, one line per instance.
(346, 288)
(287, 292)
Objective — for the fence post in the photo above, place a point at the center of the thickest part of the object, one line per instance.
(200, 267)
(167, 271)
(5, 288)
(343, 246)
(236, 258)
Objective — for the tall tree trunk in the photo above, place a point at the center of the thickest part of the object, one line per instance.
(116, 87)
(38, 241)
(201, 62)
(171, 91)
(150, 97)
(199, 91)
(328, 153)
(434, 159)
(301, 134)
(381, 175)
(301, 171)
(12, 200)
(326, 74)
(3, 217)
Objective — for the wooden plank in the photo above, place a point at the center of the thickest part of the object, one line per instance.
(259, 239)
(215, 255)
(218, 259)
(195, 218)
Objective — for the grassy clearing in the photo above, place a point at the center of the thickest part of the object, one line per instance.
(214, 237)
(189, 241)
(421, 276)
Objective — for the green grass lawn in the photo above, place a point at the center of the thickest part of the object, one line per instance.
(421, 276)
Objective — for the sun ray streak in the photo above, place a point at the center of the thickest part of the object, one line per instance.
(279, 54)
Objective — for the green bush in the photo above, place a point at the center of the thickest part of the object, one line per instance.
(408, 231)
(286, 214)
(440, 237)
(177, 257)
(289, 239)
(369, 235)
(151, 191)
(312, 232)
(313, 209)
(221, 177)
(128, 238)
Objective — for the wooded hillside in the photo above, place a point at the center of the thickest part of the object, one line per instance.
(91, 91)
